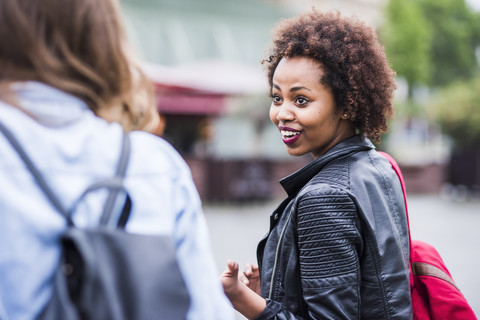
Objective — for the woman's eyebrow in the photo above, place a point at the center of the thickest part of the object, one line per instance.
(299, 88)
(293, 89)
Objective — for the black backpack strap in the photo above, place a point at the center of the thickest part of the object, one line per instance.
(36, 173)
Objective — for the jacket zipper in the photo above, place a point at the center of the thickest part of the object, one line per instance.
(277, 251)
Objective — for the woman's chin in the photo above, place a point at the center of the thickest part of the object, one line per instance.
(295, 152)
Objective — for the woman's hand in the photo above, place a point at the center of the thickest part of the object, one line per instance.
(231, 280)
(251, 277)
(243, 298)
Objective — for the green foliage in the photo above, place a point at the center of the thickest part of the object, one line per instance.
(407, 38)
(455, 37)
(409, 108)
(457, 109)
(431, 42)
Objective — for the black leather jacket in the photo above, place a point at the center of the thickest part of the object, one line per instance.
(338, 245)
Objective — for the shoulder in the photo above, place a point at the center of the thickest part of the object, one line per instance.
(370, 169)
(373, 181)
(153, 154)
(370, 162)
(343, 177)
(360, 167)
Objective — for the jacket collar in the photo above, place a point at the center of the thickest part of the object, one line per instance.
(47, 104)
(294, 182)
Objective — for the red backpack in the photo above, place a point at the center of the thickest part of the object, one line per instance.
(434, 293)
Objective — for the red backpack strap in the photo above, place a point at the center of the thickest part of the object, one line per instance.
(397, 170)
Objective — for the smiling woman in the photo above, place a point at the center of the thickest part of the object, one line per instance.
(304, 109)
(337, 247)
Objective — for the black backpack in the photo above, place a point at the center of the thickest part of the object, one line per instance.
(105, 272)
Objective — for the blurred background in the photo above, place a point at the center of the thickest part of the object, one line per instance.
(204, 57)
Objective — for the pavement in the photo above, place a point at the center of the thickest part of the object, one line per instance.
(451, 226)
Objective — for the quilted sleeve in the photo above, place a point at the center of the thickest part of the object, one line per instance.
(329, 242)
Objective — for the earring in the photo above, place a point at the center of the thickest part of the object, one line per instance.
(345, 115)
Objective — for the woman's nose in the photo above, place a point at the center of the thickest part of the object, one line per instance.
(285, 113)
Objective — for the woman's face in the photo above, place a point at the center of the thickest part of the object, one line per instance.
(304, 110)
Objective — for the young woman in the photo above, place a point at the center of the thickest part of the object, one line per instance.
(338, 246)
(67, 86)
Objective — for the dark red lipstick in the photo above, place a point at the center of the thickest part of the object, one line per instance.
(289, 135)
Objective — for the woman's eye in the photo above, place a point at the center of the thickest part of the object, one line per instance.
(301, 100)
(276, 98)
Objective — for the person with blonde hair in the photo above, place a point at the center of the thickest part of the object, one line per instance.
(69, 89)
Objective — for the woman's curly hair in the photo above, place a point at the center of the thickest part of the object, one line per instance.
(354, 63)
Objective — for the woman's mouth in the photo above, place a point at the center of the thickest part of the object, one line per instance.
(289, 135)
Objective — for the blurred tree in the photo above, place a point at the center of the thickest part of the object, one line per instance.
(407, 38)
(456, 35)
(436, 44)
(431, 41)
(456, 108)
(456, 39)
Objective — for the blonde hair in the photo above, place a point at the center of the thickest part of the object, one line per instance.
(79, 47)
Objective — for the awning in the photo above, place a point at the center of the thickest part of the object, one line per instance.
(174, 100)
(202, 88)
(211, 76)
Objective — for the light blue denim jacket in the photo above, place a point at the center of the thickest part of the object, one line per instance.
(73, 148)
